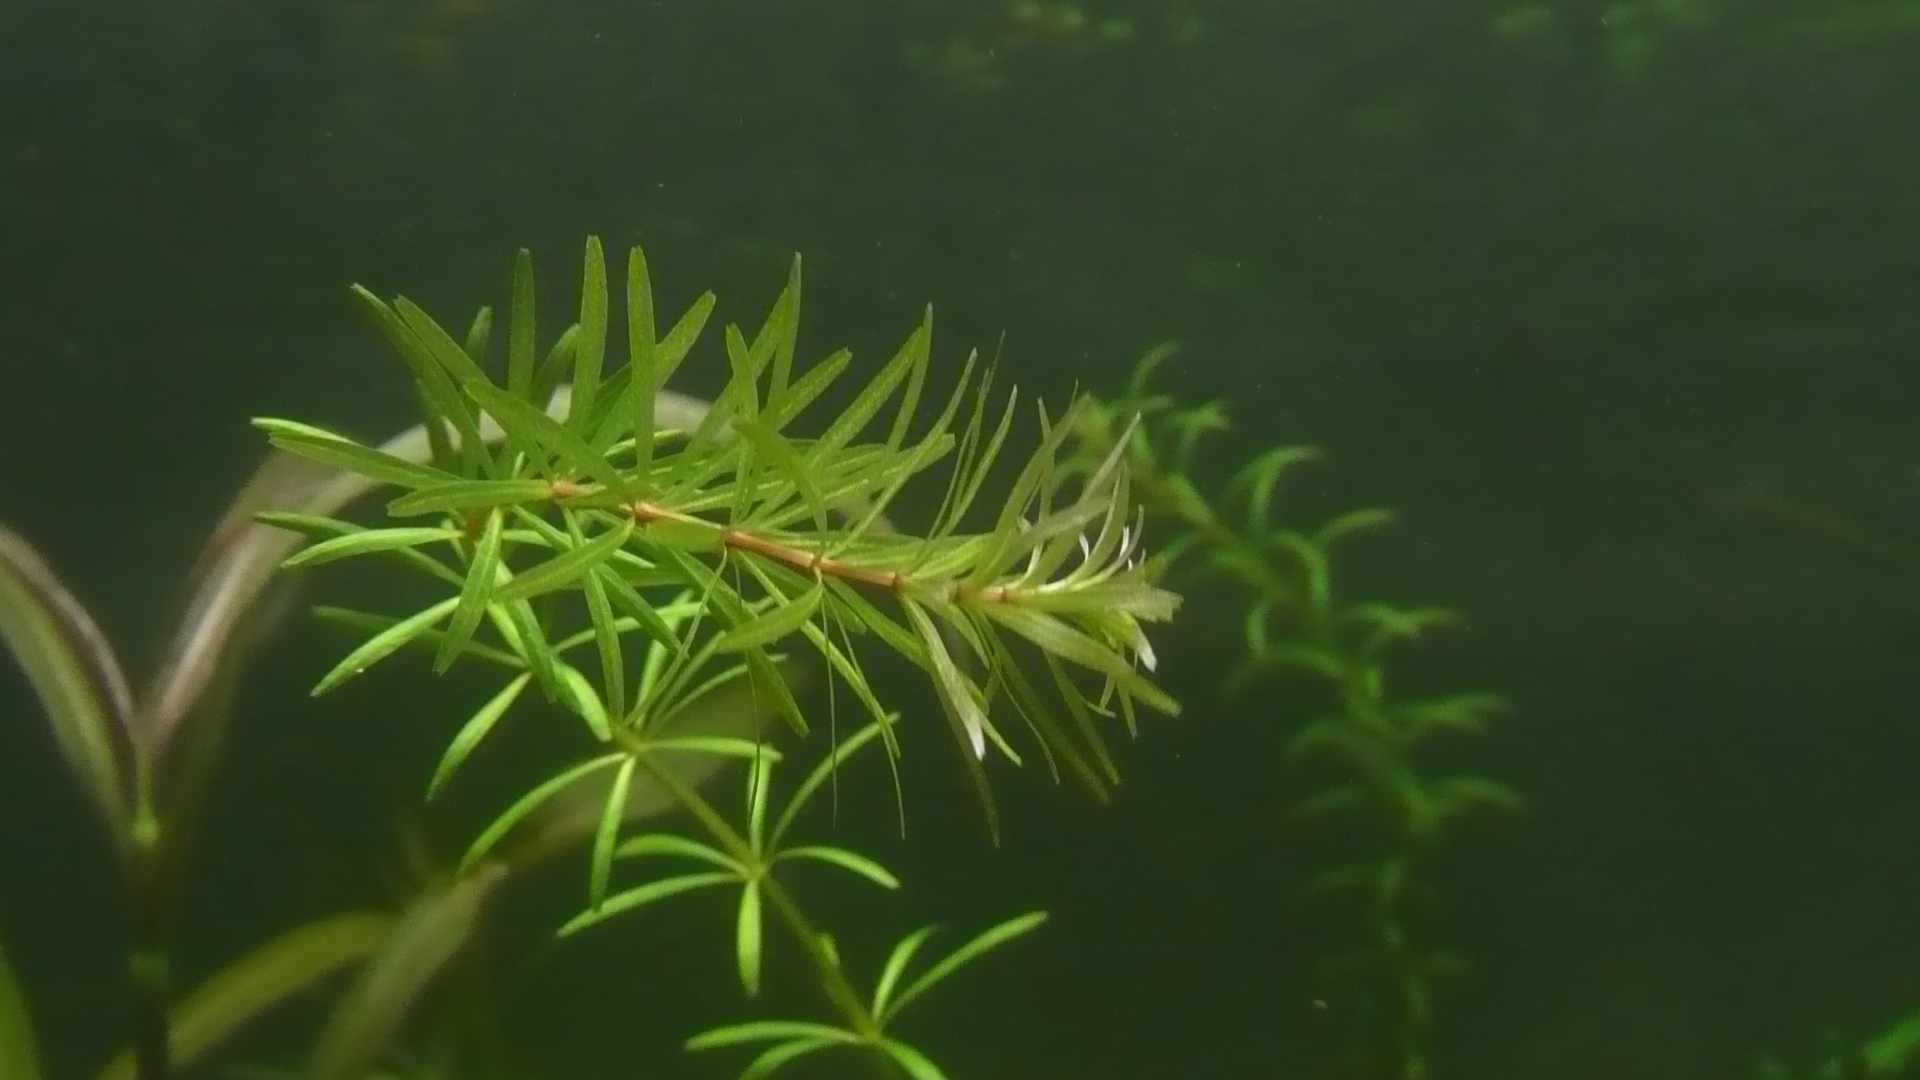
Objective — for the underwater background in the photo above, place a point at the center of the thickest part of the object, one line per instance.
(1617, 304)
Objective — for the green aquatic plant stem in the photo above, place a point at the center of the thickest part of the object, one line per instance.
(833, 978)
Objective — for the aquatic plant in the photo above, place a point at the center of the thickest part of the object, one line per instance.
(1394, 815)
(633, 563)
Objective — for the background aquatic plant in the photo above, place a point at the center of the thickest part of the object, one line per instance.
(638, 563)
(1392, 813)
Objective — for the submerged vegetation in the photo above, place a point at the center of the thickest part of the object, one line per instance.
(634, 564)
(1390, 813)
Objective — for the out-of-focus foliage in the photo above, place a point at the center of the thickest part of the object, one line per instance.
(1378, 794)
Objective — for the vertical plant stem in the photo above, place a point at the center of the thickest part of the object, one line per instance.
(833, 980)
(147, 956)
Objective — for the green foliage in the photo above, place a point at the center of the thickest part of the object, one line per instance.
(661, 574)
(710, 555)
(1294, 621)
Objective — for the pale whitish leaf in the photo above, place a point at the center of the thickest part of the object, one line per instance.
(474, 730)
(285, 966)
(531, 801)
(362, 543)
(969, 721)
(640, 895)
(988, 939)
(1056, 637)
(383, 644)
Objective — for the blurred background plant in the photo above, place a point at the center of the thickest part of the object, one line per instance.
(1389, 815)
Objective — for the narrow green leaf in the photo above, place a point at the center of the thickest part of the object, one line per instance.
(682, 846)
(776, 622)
(522, 420)
(585, 699)
(1260, 478)
(383, 644)
(482, 575)
(608, 833)
(780, 453)
(806, 388)
(680, 340)
(531, 801)
(372, 624)
(767, 1031)
(916, 1064)
(861, 410)
(1060, 639)
(776, 1057)
(746, 938)
(589, 350)
(474, 730)
(439, 344)
(970, 722)
(323, 446)
(451, 496)
(991, 938)
(628, 899)
(825, 770)
(566, 569)
(896, 966)
(847, 860)
(369, 541)
(439, 393)
(606, 629)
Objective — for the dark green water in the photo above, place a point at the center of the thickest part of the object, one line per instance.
(1559, 283)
